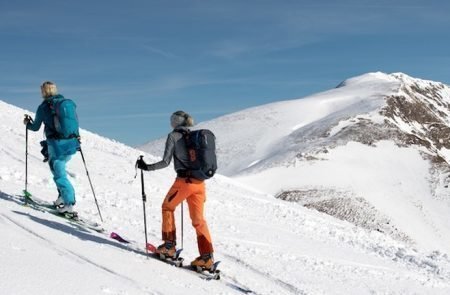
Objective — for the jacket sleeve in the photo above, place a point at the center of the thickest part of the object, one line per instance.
(37, 120)
(168, 154)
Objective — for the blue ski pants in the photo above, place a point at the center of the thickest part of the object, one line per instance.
(65, 188)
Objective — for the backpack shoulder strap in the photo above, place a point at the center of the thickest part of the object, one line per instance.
(54, 105)
(182, 130)
(185, 134)
(50, 103)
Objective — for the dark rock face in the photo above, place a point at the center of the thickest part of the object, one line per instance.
(425, 109)
(415, 110)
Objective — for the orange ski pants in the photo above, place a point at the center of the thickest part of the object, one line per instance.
(193, 191)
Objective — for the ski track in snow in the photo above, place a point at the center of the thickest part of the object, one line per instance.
(288, 287)
(67, 252)
(63, 251)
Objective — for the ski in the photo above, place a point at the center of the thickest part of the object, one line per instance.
(208, 274)
(177, 260)
(117, 237)
(73, 217)
(212, 274)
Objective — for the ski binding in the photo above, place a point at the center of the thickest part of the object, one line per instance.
(175, 260)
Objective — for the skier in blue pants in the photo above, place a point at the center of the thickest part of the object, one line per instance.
(60, 148)
(65, 188)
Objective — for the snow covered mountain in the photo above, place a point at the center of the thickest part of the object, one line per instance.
(266, 245)
(374, 151)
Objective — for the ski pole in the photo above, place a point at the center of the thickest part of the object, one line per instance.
(92, 187)
(144, 199)
(25, 192)
(182, 225)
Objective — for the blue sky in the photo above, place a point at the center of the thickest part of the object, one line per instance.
(130, 64)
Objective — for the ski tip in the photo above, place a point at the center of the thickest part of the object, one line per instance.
(117, 237)
(150, 248)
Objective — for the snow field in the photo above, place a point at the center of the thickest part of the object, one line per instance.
(266, 245)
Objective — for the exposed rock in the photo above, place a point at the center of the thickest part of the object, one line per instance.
(344, 206)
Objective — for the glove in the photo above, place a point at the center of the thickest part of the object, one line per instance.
(27, 120)
(142, 165)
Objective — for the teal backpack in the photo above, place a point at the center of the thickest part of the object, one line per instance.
(65, 118)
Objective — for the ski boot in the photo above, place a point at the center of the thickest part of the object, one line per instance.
(59, 201)
(204, 262)
(67, 211)
(167, 250)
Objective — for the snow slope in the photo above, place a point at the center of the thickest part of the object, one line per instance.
(266, 245)
(257, 135)
(374, 151)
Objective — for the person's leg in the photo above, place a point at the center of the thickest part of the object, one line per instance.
(196, 203)
(65, 188)
(177, 194)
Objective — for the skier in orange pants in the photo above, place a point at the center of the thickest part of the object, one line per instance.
(184, 188)
(193, 191)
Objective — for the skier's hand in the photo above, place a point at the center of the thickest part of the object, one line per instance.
(27, 120)
(142, 165)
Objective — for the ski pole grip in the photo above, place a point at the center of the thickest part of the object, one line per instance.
(144, 196)
(141, 157)
(28, 117)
